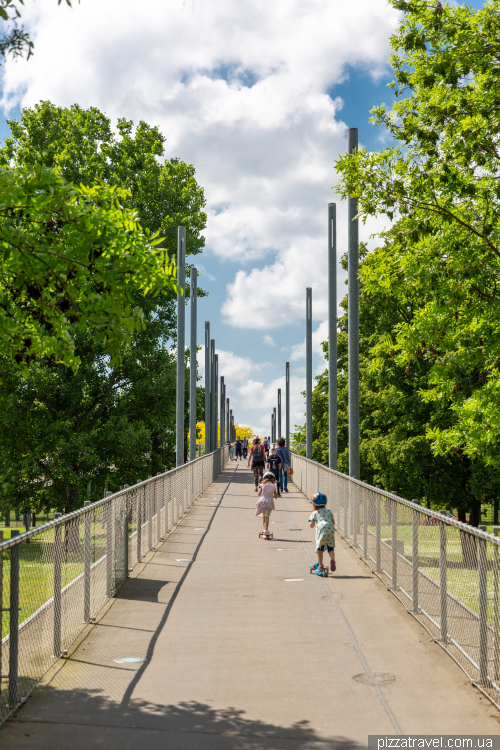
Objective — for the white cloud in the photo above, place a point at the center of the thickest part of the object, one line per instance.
(203, 271)
(268, 340)
(251, 395)
(240, 89)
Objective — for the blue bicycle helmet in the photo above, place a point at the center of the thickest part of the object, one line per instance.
(319, 498)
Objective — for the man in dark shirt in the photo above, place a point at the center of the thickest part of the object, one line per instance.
(274, 463)
(238, 447)
(244, 443)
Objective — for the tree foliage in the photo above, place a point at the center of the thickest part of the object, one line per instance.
(111, 421)
(71, 257)
(440, 187)
(395, 451)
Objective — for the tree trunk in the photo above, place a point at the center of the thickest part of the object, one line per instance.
(462, 516)
(475, 511)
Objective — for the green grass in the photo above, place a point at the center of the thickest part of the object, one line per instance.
(462, 580)
(36, 569)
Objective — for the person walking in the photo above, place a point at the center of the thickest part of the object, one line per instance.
(231, 451)
(286, 463)
(256, 458)
(265, 505)
(274, 465)
(266, 445)
(324, 521)
(238, 446)
(244, 444)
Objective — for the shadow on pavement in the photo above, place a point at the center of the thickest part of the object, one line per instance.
(86, 718)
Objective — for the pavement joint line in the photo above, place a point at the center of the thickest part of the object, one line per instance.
(352, 636)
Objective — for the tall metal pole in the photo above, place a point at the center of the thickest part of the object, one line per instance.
(212, 394)
(216, 401)
(353, 320)
(272, 427)
(287, 404)
(332, 336)
(228, 420)
(192, 366)
(222, 411)
(274, 424)
(207, 387)
(308, 372)
(278, 435)
(181, 337)
(231, 425)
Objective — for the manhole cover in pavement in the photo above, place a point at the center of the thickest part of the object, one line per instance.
(130, 659)
(380, 677)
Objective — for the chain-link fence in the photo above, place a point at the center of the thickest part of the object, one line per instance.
(444, 572)
(54, 579)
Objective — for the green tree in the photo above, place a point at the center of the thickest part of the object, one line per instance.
(395, 451)
(440, 258)
(110, 422)
(70, 258)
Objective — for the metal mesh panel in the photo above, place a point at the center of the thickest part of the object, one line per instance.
(444, 572)
(54, 579)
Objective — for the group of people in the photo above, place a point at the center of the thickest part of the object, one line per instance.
(270, 484)
(277, 459)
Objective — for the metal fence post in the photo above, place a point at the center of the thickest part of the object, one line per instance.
(149, 511)
(415, 525)
(378, 550)
(365, 525)
(57, 587)
(14, 623)
(109, 549)
(125, 536)
(139, 524)
(483, 612)
(442, 582)
(394, 534)
(496, 623)
(86, 563)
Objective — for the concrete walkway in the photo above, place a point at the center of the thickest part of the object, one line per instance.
(240, 658)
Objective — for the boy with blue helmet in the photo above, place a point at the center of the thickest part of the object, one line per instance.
(322, 518)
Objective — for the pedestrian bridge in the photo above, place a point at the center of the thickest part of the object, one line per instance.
(158, 618)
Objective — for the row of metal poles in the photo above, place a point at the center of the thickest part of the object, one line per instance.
(353, 341)
(353, 333)
(215, 412)
(217, 404)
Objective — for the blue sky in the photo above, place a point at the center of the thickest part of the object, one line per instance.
(258, 97)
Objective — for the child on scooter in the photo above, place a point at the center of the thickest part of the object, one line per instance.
(324, 521)
(265, 504)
